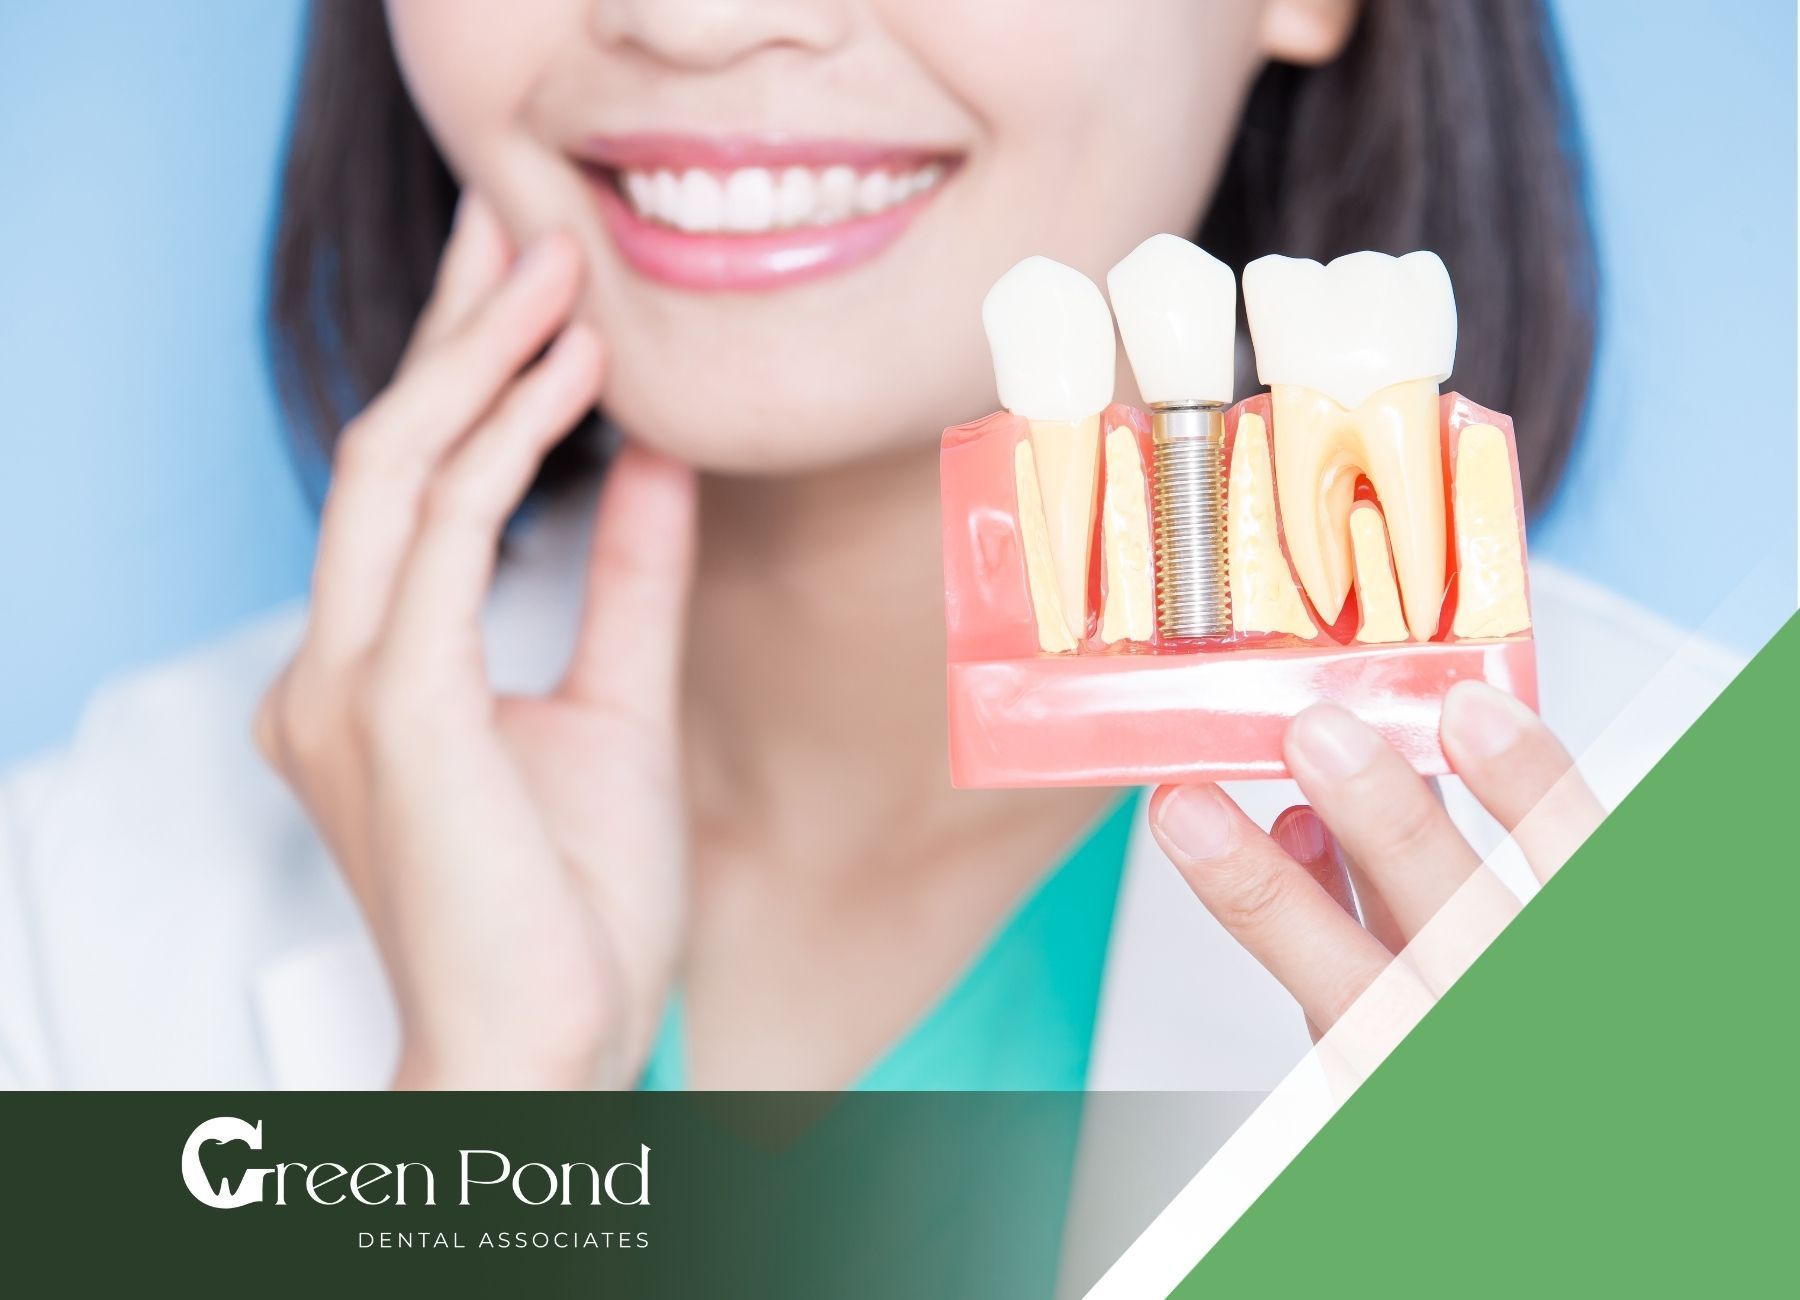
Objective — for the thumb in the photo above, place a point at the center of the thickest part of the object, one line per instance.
(640, 572)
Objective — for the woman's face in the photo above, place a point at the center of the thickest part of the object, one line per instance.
(792, 208)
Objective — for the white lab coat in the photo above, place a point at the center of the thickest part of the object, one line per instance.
(169, 920)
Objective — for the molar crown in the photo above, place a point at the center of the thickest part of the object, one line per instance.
(1353, 326)
(1052, 338)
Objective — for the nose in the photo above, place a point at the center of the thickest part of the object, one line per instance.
(708, 34)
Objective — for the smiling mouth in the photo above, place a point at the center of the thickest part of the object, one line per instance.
(755, 213)
(756, 200)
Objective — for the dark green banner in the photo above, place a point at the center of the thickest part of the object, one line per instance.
(868, 1195)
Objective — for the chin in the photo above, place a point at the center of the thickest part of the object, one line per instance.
(752, 413)
(710, 429)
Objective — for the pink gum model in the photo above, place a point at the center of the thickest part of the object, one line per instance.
(1138, 714)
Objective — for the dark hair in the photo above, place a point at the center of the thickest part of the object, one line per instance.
(1442, 125)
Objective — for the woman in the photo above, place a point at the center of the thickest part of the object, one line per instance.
(664, 800)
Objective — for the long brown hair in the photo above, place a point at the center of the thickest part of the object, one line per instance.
(1442, 125)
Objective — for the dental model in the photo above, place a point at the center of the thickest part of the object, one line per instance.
(1353, 354)
(1351, 535)
(1177, 310)
(1052, 340)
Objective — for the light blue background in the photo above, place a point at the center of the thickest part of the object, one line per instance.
(146, 499)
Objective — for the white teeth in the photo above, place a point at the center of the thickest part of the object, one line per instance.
(750, 200)
(837, 195)
(874, 192)
(753, 200)
(794, 200)
(1177, 310)
(641, 190)
(665, 197)
(702, 202)
(1347, 329)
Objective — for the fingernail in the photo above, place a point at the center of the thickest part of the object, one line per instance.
(1196, 819)
(1301, 835)
(1483, 719)
(1333, 742)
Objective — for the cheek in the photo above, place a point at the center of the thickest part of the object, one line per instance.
(1105, 123)
(471, 67)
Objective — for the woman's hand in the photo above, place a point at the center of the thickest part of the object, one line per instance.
(1375, 824)
(520, 861)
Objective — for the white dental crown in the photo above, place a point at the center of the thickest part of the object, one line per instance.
(1177, 310)
(1354, 326)
(1052, 339)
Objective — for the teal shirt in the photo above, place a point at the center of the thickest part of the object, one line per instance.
(1021, 1018)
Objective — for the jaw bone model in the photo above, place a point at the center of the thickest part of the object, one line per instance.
(1352, 475)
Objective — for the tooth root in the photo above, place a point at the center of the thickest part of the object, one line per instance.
(1403, 456)
(1315, 482)
(1040, 569)
(1379, 619)
(1067, 453)
(1128, 611)
(1490, 561)
(1263, 595)
(1320, 448)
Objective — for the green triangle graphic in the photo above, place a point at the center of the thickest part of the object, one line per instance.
(1605, 1103)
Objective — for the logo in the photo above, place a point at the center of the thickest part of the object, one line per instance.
(196, 1174)
(216, 1167)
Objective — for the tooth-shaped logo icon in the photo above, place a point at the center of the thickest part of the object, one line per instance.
(1353, 353)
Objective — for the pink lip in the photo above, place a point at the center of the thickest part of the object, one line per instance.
(728, 262)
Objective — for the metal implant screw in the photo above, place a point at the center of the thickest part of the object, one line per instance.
(1193, 591)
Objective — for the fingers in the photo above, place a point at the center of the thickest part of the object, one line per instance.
(475, 260)
(387, 454)
(1307, 840)
(1520, 773)
(1268, 901)
(640, 568)
(1382, 812)
(435, 621)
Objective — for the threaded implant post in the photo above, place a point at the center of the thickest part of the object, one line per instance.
(1193, 590)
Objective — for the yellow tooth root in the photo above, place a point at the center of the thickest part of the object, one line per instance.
(1490, 561)
(1128, 613)
(1379, 619)
(1067, 455)
(1040, 571)
(1320, 450)
(1263, 595)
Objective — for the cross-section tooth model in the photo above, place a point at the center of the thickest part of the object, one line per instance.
(1353, 353)
(1350, 535)
(1052, 340)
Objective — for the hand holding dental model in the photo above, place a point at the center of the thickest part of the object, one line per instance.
(1351, 536)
